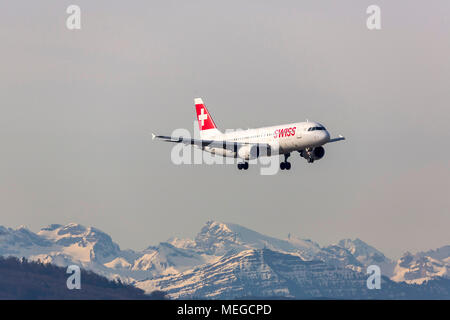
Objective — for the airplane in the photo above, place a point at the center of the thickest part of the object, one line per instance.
(306, 138)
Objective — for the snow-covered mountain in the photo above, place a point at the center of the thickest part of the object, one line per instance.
(167, 259)
(94, 250)
(218, 239)
(221, 255)
(368, 255)
(422, 266)
(256, 273)
(85, 244)
(16, 241)
(248, 273)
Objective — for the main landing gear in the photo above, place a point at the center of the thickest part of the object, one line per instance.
(285, 164)
(243, 165)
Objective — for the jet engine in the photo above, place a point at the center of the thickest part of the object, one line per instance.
(318, 153)
(312, 154)
(244, 152)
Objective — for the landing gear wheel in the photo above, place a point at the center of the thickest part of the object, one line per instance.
(310, 160)
(243, 165)
(285, 164)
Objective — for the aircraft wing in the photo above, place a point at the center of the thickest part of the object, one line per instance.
(225, 144)
(337, 139)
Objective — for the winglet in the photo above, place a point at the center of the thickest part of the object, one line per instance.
(153, 136)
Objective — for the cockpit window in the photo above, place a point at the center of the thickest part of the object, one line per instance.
(316, 128)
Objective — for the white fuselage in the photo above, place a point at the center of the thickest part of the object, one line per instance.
(282, 138)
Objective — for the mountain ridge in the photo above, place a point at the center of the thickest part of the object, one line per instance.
(95, 250)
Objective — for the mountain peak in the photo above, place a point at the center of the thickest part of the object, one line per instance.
(422, 266)
(215, 237)
(87, 243)
(358, 247)
(439, 253)
(352, 243)
(219, 238)
(216, 227)
(368, 255)
(51, 227)
(69, 230)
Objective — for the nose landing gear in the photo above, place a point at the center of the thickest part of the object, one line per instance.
(285, 164)
(307, 154)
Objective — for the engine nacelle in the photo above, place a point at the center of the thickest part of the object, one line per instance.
(318, 153)
(313, 154)
(244, 152)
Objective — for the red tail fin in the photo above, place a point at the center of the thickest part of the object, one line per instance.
(205, 121)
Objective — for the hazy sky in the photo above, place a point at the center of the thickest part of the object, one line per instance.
(78, 107)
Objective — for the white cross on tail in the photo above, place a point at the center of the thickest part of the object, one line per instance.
(202, 116)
